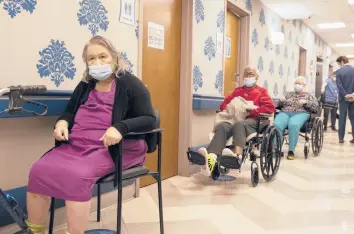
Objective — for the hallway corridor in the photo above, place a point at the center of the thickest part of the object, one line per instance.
(308, 197)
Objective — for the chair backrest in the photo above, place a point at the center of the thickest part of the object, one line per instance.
(152, 138)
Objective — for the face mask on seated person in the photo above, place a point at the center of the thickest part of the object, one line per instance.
(100, 72)
(299, 88)
(250, 82)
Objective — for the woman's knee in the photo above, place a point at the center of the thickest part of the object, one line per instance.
(294, 126)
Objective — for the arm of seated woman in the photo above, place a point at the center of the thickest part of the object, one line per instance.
(141, 112)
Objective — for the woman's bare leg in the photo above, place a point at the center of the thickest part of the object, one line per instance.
(77, 214)
(37, 208)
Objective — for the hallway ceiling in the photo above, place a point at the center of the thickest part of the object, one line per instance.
(319, 12)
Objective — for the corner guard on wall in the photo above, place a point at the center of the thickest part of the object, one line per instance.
(55, 100)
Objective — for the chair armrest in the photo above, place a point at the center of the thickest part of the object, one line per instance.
(144, 133)
(265, 115)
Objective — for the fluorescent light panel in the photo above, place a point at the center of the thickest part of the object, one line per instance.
(345, 45)
(331, 25)
(350, 56)
(290, 11)
(351, 1)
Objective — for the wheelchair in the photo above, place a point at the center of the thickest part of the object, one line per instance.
(311, 131)
(267, 139)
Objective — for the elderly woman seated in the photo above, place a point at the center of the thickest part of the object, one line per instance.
(106, 105)
(295, 111)
(240, 130)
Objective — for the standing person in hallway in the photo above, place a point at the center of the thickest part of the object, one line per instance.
(345, 84)
(330, 98)
(295, 111)
(241, 129)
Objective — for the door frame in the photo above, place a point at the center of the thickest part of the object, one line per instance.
(243, 36)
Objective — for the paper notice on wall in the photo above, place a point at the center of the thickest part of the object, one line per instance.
(219, 42)
(127, 12)
(156, 36)
(228, 47)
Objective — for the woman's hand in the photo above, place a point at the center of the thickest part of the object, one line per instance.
(61, 131)
(111, 137)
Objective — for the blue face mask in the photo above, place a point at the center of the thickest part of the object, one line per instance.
(299, 88)
(100, 72)
(250, 82)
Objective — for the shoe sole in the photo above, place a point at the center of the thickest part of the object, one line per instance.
(196, 158)
(229, 162)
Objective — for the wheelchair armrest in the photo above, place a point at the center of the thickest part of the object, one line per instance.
(265, 115)
(144, 133)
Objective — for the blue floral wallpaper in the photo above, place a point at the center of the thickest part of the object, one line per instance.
(16, 7)
(56, 62)
(209, 48)
(93, 15)
(197, 78)
(199, 11)
(219, 82)
(52, 55)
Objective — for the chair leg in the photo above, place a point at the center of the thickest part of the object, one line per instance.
(119, 209)
(52, 213)
(159, 188)
(98, 203)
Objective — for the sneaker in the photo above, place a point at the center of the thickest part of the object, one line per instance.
(210, 160)
(291, 155)
(334, 129)
(352, 141)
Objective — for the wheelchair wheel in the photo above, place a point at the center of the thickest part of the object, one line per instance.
(317, 137)
(215, 174)
(254, 174)
(270, 154)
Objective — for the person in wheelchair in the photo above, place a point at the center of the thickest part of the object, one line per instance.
(295, 108)
(104, 107)
(240, 130)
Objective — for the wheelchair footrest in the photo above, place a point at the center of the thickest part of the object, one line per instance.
(229, 162)
(196, 158)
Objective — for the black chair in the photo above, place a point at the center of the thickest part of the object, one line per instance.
(127, 177)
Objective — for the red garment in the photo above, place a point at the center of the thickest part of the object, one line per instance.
(258, 95)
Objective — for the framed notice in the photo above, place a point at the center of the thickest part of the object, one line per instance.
(156, 36)
(127, 12)
(227, 47)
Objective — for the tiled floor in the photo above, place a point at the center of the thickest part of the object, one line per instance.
(308, 197)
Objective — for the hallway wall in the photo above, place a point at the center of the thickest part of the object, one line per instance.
(277, 65)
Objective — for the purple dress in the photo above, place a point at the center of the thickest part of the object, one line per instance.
(70, 171)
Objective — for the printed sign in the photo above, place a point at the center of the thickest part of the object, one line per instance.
(127, 12)
(156, 36)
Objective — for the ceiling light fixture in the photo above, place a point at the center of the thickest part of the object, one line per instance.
(290, 11)
(350, 56)
(331, 25)
(345, 45)
(351, 1)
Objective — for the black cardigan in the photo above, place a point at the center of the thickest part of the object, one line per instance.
(132, 108)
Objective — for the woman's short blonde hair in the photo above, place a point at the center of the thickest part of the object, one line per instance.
(249, 71)
(119, 65)
(301, 79)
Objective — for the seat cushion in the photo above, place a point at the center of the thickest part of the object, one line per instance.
(127, 174)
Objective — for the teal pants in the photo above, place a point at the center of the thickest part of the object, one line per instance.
(292, 121)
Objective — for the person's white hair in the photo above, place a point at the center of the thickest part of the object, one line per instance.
(300, 80)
